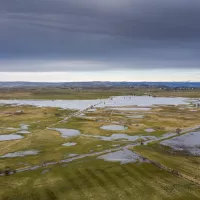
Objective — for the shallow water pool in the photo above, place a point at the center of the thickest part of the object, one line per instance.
(20, 154)
(67, 132)
(189, 142)
(122, 156)
(68, 144)
(10, 137)
(113, 127)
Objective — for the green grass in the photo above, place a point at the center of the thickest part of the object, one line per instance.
(34, 116)
(96, 179)
(89, 93)
(188, 165)
(65, 93)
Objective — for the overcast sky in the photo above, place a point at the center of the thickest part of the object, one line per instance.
(85, 40)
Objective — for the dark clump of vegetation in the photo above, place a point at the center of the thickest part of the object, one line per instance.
(7, 171)
(58, 114)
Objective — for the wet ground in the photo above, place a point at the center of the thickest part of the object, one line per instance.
(68, 144)
(123, 137)
(67, 132)
(130, 109)
(149, 130)
(17, 135)
(136, 116)
(123, 156)
(189, 143)
(20, 154)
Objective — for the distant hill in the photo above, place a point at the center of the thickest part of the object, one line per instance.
(100, 84)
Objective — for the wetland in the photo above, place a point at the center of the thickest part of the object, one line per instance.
(83, 149)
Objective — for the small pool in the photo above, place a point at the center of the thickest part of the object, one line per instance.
(23, 132)
(189, 142)
(68, 144)
(67, 132)
(129, 109)
(122, 156)
(113, 127)
(149, 130)
(136, 116)
(123, 137)
(10, 137)
(20, 154)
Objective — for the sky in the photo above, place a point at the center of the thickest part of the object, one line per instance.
(101, 40)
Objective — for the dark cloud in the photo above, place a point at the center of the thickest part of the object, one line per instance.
(122, 33)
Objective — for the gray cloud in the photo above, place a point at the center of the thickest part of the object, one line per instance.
(116, 33)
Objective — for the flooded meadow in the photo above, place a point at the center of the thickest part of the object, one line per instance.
(50, 137)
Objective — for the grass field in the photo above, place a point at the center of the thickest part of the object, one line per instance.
(188, 165)
(96, 179)
(90, 93)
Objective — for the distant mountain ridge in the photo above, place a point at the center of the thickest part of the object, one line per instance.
(100, 84)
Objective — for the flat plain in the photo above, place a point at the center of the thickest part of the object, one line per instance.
(113, 149)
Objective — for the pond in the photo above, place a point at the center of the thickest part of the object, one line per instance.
(10, 137)
(92, 110)
(122, 156)
(72, 155)
(149, 130)
(67, 132)
(189, 142)
(23, 132)
(113, 127)
(68, 144)
(144, 101)
(20, 154)
(136, 116)
(130, 109)
(65, 104)
(24, 126)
